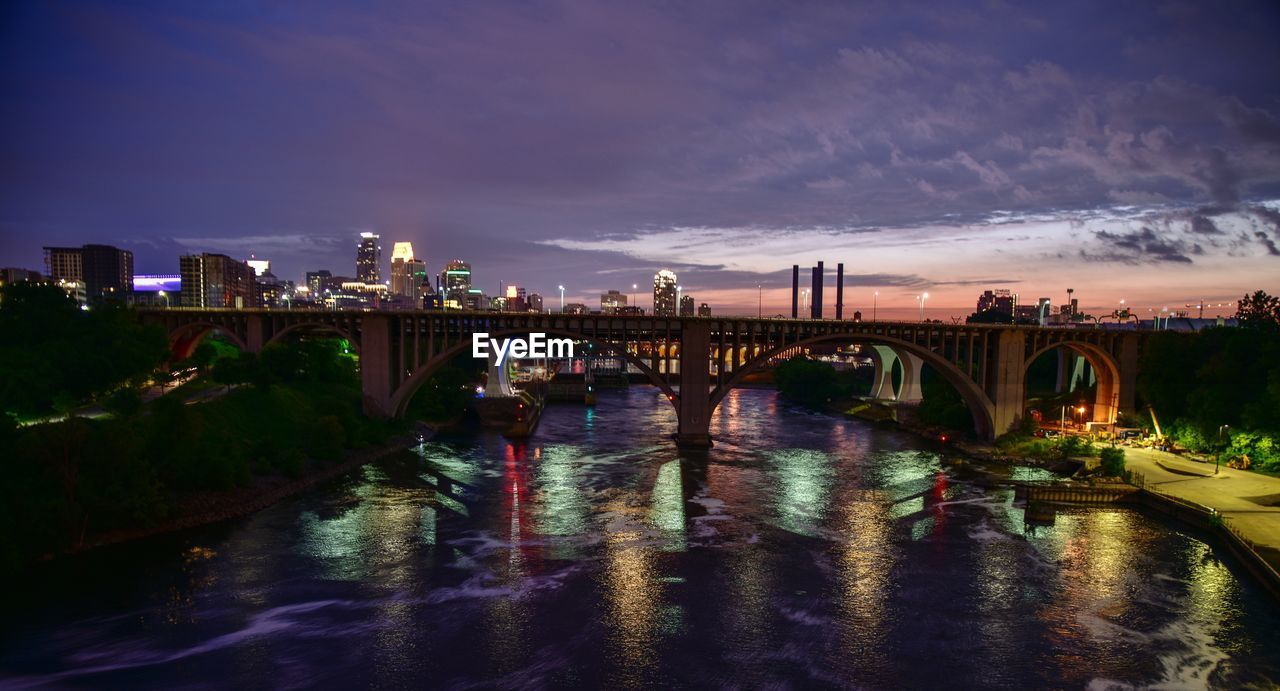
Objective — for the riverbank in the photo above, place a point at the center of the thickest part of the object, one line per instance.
(209, 507)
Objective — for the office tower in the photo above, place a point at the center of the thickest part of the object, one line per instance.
(407, 272)
(686, 306)
(704, 310)
(215, 280)
(535, 303)
(457, 284)
(664, 293)
(369, 259)
(612, 301)
(1001, 300)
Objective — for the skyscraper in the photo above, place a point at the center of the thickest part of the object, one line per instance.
(457, 283)
(407, 272)
(664, 293)
(369, 259)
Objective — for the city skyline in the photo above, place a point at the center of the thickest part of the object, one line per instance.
(1132, 153)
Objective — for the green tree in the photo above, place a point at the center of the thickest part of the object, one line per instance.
(1259, 311)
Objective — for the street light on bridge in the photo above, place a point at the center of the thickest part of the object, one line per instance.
(561, 299)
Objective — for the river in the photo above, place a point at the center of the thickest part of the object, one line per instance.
(803, 550)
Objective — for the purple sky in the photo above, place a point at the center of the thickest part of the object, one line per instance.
(1128, 150)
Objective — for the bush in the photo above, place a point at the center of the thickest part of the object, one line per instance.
(1113, 464)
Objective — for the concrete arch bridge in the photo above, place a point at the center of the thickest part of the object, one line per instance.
(987, 364)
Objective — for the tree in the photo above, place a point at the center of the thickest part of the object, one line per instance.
(1259, 311)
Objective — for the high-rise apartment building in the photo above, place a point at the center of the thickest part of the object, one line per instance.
(105, 271)
(535, 303)
(664, 293)
(216, 280)
(686, 306)
(704, 310)
(612, 301)
(369, 258)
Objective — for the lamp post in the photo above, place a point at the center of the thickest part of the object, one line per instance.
(805, 293)
(633, 295)
(759, 301)
(922, 299)
(679, 297)
(561, 299)
(1218, 458)
(875, 299)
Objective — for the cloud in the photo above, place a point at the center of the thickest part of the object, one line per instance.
(1142, 246)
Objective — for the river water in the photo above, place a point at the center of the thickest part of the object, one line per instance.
(804, 550)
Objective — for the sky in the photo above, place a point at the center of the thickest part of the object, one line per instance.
(1128, 150)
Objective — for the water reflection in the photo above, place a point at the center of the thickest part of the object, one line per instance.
(802, 550)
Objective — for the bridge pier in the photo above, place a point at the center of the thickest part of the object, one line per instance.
(694, 404)
(375, 366)
(883, 358)
(1006, 371)
(909, 392)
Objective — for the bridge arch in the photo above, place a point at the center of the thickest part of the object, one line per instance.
(184, 338)
(404, 392)
(314, 328)
(1105, 367)
(980, 406)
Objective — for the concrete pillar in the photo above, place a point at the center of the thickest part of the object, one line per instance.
(1078, 372)
(912, 365)
(375, 366)
(498, 384)
(695, 386)
(1006, 379)
(882, 384)
(254, 333)
(1127, 387)
(1064, 364)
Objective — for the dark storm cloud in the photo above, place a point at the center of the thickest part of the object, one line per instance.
(1140, 247)
(479, 129)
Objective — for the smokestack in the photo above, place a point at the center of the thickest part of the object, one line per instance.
(795, 291)
(839, 291)
(816, 301)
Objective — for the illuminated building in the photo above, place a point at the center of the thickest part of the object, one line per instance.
(535, 303)
(105, 271)
(316, 281)
(704, 310)
(259, 266)
(1001, 300)
(215, 280)
(686, 306)
(407, 272)
(612, 301)
(664, 294)
(457, 284)
(369, 259)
